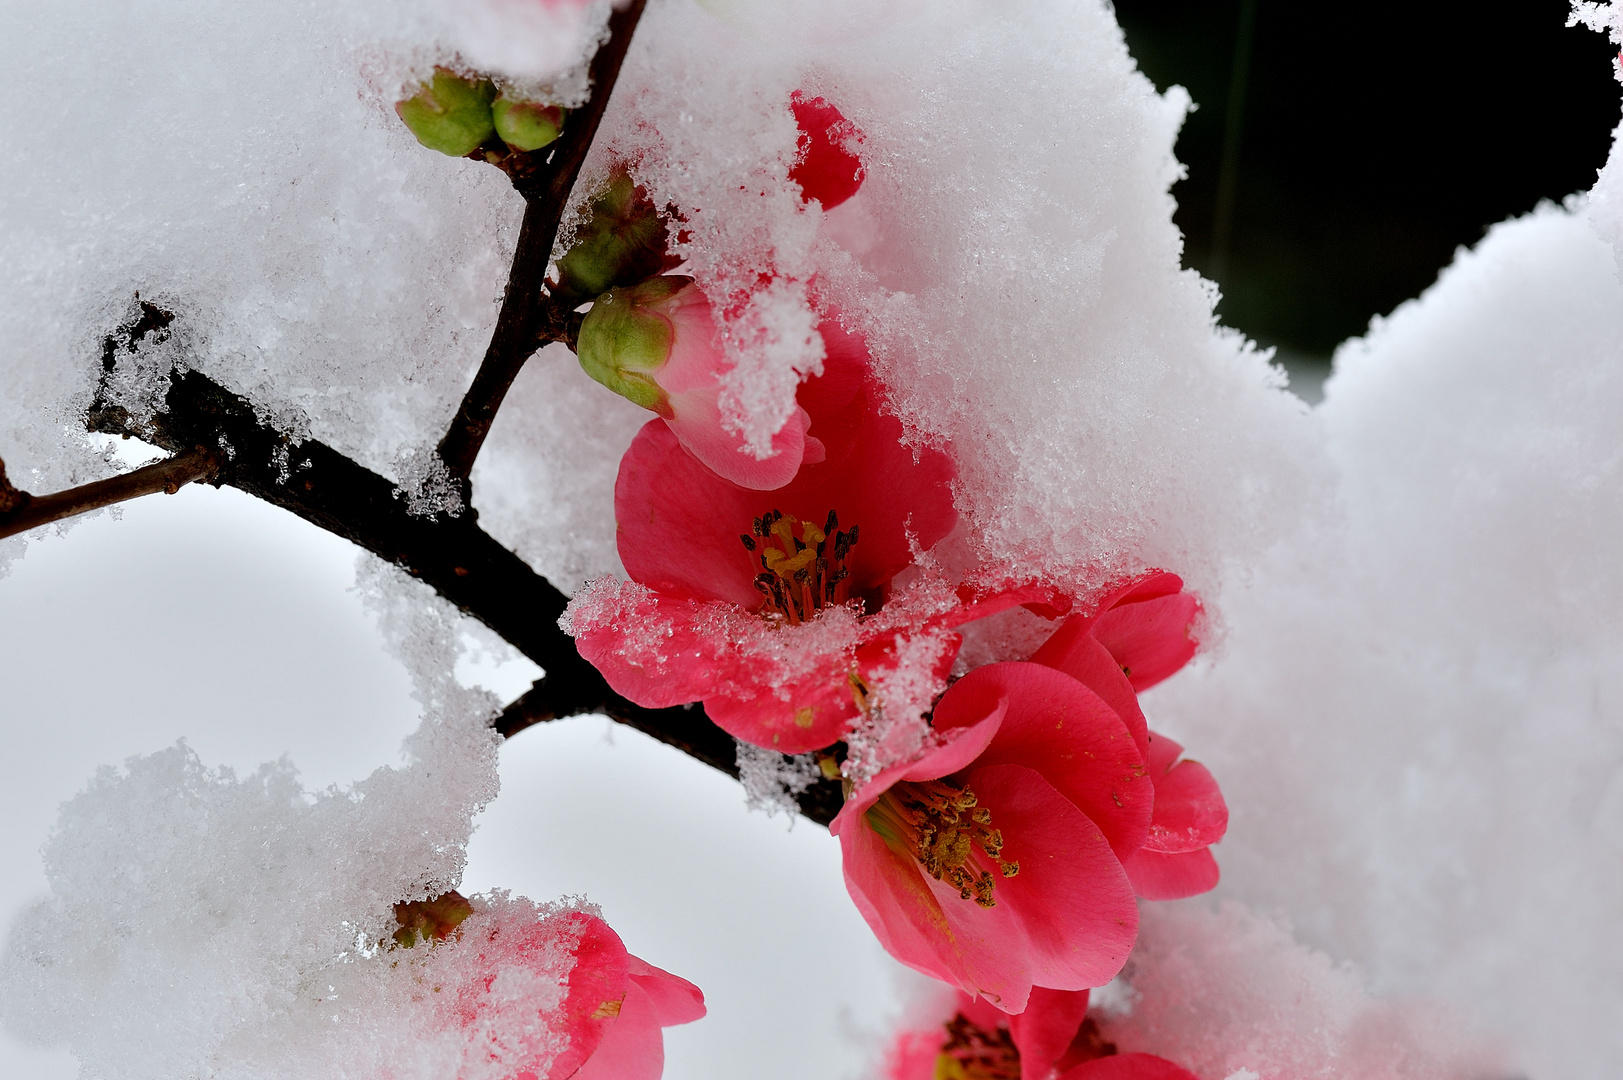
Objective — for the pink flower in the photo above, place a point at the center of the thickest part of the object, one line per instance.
(994, 861)
(827, 170)
(611, 1013)
(657, 344)
(1138, 636)
(966, 1039)
(754, 604)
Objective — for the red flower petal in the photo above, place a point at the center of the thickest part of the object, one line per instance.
(652, 649)
(1189, 809)
(680, 523)
(1071, 896)
(1059, 727)
(1149, 638)
(1045, 1030)
(1074, 650)
(806, 714)
(1068, 916)
(674, 999)
(827, 171)
(633, 1047)
(1158, 876)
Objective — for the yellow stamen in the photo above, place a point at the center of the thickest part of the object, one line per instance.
(952, 838)
(800, 575)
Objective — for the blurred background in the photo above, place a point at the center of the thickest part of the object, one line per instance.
(1339, 153)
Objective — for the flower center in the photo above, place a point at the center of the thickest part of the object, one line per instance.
(800, 575)
(952, 838)
(973, 1053)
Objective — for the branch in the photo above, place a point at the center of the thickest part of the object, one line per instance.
(685, 727)
(20, 511)
(528, 318)
(454, 555)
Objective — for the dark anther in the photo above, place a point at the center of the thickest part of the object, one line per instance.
(749, 544)
(832, 524)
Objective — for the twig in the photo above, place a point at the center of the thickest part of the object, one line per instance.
(528, 319)
(685, 727)
(20, 511)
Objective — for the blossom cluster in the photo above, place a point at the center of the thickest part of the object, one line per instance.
(1001, 820)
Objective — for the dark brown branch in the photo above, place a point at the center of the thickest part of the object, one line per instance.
(20, 511)
(528, 319)
(685, 727)
(454, 555)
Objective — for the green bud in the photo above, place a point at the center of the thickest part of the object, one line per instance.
(622, 243)
(526, 125)
(451, 113)
(430, 920)
(622, 344)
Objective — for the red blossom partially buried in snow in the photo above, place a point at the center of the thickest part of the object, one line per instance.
(606, 1024)
(759, 603)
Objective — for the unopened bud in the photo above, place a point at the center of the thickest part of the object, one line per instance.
(430, 920)
(450, 113)
(526, 125)
(623, 343)
(622, 243)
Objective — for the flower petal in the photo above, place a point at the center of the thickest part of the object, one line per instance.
(1074, 650)
(1128, 1067)
(957, 749)
(633, 1047)
(806, 714)
(1157, 875)
(674, 999)
(680, 524)
(1189, 809)
(1073, 899)
(1066, 732)
(697, 423)
(1045, 1030)
(1149, 638)
(889, 891)
(652, 649)
(600, 976)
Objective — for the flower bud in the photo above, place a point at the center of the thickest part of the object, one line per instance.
(657, 345)
(526, 125)
(626, 340)
(430, 920)
(450, 113)
(623, 243)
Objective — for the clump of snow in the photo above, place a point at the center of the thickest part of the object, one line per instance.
(1228, 994)
(1606, 198)
(1419, 712)
(190, 906)
(902, 692)
(426, 484)
(772, 780)
(536, 40)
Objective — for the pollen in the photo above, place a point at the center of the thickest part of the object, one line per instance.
(970, 1052)
(951, 836)
(800, 574)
